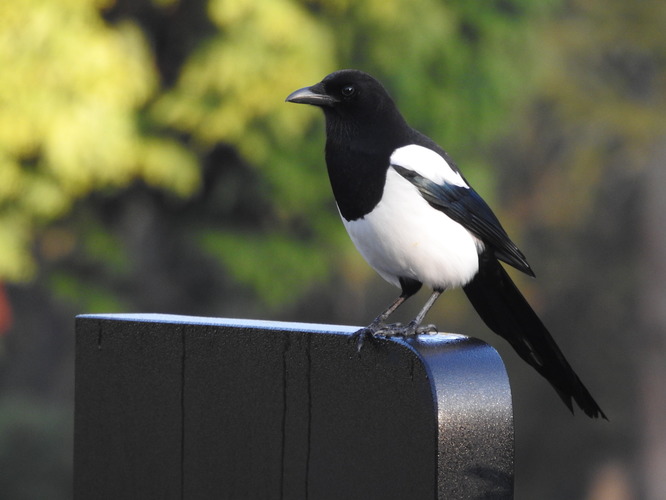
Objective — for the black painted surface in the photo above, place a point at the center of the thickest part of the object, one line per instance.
(177, 407)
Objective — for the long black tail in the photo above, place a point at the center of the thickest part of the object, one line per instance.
(504, 309)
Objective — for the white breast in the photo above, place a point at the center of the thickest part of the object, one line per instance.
(405, 237)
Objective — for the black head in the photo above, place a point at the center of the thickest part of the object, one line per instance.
(363, 128)
(352, 95)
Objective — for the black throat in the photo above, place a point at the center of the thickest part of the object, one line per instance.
(358, 157)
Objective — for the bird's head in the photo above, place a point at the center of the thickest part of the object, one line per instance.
(348, 94)
(359, 111)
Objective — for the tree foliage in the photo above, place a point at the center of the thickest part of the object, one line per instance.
(71, 97)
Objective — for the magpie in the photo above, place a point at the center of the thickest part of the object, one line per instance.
(416, 220)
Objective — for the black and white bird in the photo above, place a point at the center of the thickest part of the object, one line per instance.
(417, 221)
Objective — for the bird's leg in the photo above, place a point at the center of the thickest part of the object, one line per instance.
(414, 327)
(378, 325)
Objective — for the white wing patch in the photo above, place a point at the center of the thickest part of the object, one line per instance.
(427, 163)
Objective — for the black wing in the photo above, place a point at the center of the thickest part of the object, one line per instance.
(467, 208)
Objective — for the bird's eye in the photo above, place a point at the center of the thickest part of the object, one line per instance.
(348, 91)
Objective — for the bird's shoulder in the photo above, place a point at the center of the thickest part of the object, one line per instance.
(426, 155)
(439, 181)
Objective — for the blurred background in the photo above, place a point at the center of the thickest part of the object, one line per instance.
(148, 163)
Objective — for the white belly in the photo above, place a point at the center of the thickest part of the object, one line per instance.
(405, 237)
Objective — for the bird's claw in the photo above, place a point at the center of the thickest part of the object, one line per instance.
(390, 330)
(426, 330)
(359, 337)
(413, 329)
(374, 330)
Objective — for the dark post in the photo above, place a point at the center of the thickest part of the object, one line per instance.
(197, 408)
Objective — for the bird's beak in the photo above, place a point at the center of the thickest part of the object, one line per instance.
(311, 95)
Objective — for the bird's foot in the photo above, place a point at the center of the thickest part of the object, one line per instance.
(390, 330)
(374, 330)
(377, 329)
(426, 330)
(413, 329)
